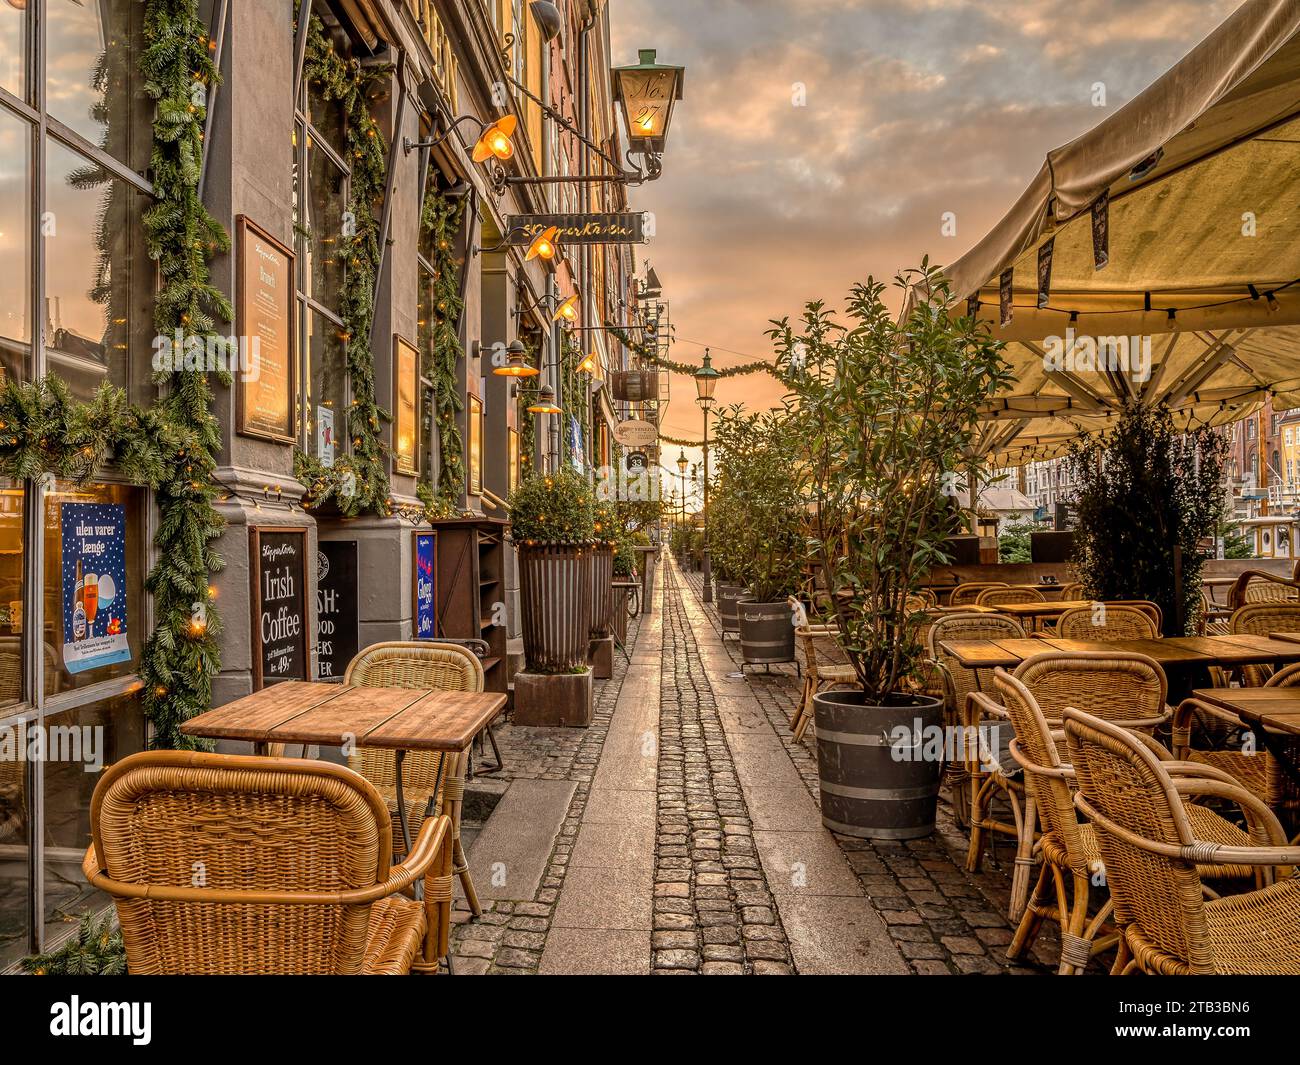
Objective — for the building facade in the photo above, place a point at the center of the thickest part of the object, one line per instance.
(374, 284)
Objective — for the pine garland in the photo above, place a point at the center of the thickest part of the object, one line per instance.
(441, 353)
(527, 422)
(573, 390)
(359, 485)
(650, 355)
(96, 950)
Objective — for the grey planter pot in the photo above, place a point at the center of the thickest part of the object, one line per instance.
(728, 595)
(766, 632)
(555, 592)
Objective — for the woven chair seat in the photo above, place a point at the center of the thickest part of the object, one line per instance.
(393, 936)
(1258, 933)
(836, 674)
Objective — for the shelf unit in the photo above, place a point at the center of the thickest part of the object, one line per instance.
(470, 559)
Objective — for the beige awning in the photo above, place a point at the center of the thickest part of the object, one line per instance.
(1202, 172)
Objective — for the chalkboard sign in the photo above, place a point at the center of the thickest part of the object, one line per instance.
(337, 638)
(426, 613)
(279, 605)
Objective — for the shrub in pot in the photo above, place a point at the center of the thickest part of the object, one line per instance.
(758, 454)
(887, 406)
(553, 526)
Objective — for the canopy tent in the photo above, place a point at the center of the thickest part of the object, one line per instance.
(1173, 223)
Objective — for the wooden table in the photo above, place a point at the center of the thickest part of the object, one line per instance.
(1289, 637)
(1270, 712)
(337, 715)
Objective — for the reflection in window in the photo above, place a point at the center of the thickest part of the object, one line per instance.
(15, 245)
(15, 855)
(322, 228)
(12, 583)
(98, 276)
(13, 58)
(91, 80)
(109, 605)
(327, 408)
(78, 740)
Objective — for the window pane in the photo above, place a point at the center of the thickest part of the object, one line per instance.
(321, 233)
(94, 610)
(99, 279)
(11, 595)
(327, 404)
(327, 119)
(91, 80)
(78, 743)
(15, 245)
(13, 52)
(15, 856)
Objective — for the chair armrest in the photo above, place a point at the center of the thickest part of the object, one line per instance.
(1265, 828)
(1181, 725)
(1064, 771)
(434, 837)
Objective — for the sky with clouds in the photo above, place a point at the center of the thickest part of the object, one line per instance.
(819, 141)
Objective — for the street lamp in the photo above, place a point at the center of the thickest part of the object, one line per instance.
(682, 463)
(646, 93)
(706, 380)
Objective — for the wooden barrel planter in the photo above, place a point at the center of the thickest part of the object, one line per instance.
(728, 595)
(619, 616)
(555, 594)
(602, 591)
(766, 632)
(879, 765)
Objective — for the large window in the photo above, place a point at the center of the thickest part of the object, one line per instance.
(76, 300)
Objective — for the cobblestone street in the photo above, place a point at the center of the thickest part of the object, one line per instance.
(680, 834)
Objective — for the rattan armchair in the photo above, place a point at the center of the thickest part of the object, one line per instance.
(1069, 853)
(1014, 593)
(1107, 621)
(1257, 586)
(1153, 850)
(966, 779)
(818, 675)
(432, 783)
(966, 594)
(1071, 590)
(229, 864)
(1259, 619)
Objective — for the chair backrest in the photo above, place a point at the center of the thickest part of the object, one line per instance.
(928, 596)
(808, 636)
(413, 664)
(1120, 779)
(1116, 686)
(967, 627)
(1259, 619)
(1072, 590)
(1257, 586)
(1053, 794)
(966, 594)
(1287, 677)
(1015, 593)
(222, 826)
(1106, 621)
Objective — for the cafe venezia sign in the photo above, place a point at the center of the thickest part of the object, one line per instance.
(626, 228)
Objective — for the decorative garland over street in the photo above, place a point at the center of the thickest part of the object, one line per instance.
(440, 349)
(649, 355)
(357, 484)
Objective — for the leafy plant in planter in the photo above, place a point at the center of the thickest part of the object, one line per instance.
(1147, 497)
(887, 407)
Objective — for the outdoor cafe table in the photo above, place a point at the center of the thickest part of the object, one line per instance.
(1178, 656)
(1271, 712)
(335, 715)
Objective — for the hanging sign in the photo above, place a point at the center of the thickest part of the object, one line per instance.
(626, 228)
(94, 585)
(635, 433)
(337, 636)
(1101, 231)
(634, 386)
(1005, 293)
(1045, 272)
(426, 583)
(264, 314)
(636, 462)
(279, 605)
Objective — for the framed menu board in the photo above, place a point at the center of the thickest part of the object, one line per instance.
(279, 600)
(264, 313)
(406, 380)
(337, 629)
(474, 426)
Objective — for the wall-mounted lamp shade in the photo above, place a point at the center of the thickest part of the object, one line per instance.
(516, 364)
(589, 364)
(543, 245)
(568, 310)
(495, 141)
(548, 17)
(545, 402)
(646, 93)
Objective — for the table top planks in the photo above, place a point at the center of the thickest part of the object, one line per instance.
(1273, 708)
(1172, 652)
(333, 714)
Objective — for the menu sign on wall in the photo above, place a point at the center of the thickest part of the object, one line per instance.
(279, 605)
(406, 379)
(426, 617)
(337, 638)
(264, 314)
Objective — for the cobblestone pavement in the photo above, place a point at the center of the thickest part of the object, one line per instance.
(691, 805)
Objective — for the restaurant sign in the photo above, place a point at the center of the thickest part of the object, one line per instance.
(628, 228)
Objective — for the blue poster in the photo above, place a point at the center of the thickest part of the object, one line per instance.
(94, 585)
(576, 455)
(425, 617)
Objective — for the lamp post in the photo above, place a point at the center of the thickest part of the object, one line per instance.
(706, 380)
(682, 463)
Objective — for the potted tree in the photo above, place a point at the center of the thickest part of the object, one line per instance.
(758, 455)
(887, 406)
(553, 527)
(727, 559)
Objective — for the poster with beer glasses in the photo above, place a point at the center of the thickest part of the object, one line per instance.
(94, 585)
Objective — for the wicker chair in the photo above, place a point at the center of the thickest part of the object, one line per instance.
(956, 684)
(1256, 586)
(226, 864)
(1259, 619)
(1130, 688)
(1152, 851)
(966, 594)
(1016, 593)
(432, 783)
(1071, 591)
(817, 675)
(1107, 621)
(1071, 859)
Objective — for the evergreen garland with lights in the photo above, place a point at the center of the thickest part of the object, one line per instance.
(573, 391)
(441, 218)
(649, 354)
(359, 483)
(526, 421)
